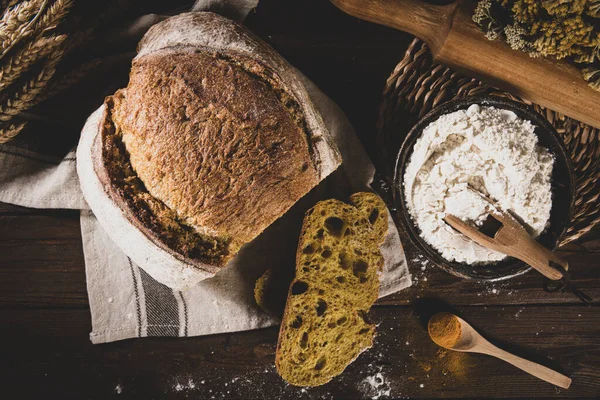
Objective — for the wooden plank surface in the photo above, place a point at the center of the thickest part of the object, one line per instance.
(45, 316)
(43, 306)
(53, 352)
(43, 256)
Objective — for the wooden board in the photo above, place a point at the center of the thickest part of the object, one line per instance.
(45, 315)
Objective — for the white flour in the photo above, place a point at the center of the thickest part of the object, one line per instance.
(376, 386)
(495, 152)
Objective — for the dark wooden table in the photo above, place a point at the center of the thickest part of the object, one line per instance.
(45, 316)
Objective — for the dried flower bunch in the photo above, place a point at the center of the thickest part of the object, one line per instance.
(30, 52)
(563, 29)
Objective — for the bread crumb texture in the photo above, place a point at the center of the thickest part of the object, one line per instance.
(325, 326)
(214, 146)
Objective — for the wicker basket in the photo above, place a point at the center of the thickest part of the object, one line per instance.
(418, 84)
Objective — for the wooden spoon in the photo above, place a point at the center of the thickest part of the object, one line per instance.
(470, 341)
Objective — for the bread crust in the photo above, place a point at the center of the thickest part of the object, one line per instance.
(136, 212)
(162, 265)
(216, 138)
(207, 33)
(206, 30)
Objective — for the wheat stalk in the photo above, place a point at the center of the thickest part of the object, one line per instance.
(11, 35)
(26, 97)
(14, 18)
(45, 20)
(53, 15)
(10, 132)
(26, 57)
(31, 18)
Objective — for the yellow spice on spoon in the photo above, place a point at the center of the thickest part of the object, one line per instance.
(444, 329)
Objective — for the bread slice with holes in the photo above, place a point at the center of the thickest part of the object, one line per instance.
(270, 291)
(324, 326)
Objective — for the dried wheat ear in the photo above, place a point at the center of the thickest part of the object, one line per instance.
(29, 56)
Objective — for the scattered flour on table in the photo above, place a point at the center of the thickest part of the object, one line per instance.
(518, 313)
(420, 263)
(375, 386)
(179, 386)
(255, 383)
(493, 151)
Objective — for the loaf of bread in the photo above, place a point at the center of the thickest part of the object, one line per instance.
(324, 326)
(213, 139)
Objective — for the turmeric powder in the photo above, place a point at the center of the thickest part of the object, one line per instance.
(444, 329)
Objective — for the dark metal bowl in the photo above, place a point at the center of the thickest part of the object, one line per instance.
(562, 189)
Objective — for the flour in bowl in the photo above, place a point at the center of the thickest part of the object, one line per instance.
(495, 152)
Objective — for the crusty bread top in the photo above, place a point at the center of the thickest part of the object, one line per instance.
(216, 138)
(213, 32)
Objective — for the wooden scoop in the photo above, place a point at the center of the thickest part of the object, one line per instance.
(467, 339)
(503, 233)
(513, 240)
(456, 41)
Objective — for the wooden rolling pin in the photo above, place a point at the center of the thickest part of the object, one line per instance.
(456, 41)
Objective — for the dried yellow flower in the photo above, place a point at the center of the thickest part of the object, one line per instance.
(592, 8)
(564, 8)
(563, 29)
(592, 76)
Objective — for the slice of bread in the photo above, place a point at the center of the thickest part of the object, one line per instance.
(324, 327)
(271, 288)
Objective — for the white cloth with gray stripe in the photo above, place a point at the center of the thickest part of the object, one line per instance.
(125, 301)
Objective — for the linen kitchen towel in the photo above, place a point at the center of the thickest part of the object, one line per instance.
(125, 301)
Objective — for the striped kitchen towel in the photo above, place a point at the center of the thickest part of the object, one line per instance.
(37, 170)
